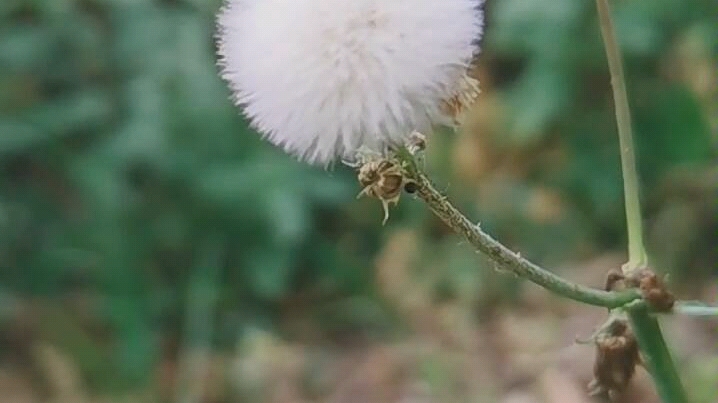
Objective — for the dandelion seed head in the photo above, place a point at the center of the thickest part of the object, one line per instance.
(324, 78)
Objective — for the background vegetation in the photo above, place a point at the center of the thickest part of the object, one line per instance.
(152, 246)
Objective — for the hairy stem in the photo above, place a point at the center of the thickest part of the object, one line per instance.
(646, 328)
(507, 259)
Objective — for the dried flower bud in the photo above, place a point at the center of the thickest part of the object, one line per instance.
(383, 179)
(653, 289)
(617, 355)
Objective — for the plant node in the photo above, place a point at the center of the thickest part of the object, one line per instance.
(653, 288)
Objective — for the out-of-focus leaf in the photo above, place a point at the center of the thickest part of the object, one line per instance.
(358, 317)
(137, 346)
(66, 116)
(289, 212)
(88, 110)
(16, 137)
(540, 96)
(144, 132)
(533, 25)
(639, 33)
(670, 130)
(24, 47)
(269, 273)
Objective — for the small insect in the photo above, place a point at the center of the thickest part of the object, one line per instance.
(411, 187)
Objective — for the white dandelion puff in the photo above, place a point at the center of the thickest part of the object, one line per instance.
(324, 78)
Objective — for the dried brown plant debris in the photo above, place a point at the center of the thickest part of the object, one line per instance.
(617, 355)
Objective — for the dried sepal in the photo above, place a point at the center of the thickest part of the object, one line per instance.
(384, 179)
(652, 287)
(416, 143)
(467, 93)
(613, 278)
(617, 356)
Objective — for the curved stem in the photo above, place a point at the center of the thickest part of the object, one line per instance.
(506, 258)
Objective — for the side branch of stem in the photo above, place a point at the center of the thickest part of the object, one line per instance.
(509, 260)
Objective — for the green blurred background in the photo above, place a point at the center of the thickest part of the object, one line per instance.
(153, 248)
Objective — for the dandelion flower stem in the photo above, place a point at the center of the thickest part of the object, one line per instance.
(503, 256)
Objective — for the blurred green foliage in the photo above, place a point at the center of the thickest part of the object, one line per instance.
(549, 60)
(128, 179)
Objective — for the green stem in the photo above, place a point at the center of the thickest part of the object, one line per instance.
(695, 308)
(636, 252)
(648, 332)
(503, 256)
(656, 356)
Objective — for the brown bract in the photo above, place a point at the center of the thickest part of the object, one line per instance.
(653, 288)
(383, 179)
(617, 355)
(466, 95)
